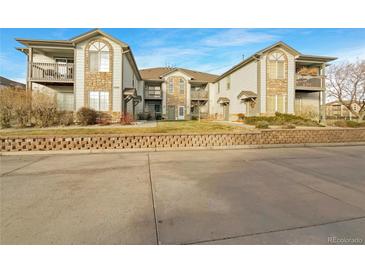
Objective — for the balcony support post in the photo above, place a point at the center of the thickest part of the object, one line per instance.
(29, 69)
(322, 103)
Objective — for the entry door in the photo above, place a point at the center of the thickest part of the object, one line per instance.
(181, 113)
(226, 112)
(171, 112)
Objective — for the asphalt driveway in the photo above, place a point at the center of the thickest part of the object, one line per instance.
(253, 196)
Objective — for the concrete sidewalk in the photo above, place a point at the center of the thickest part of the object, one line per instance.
(267, 196)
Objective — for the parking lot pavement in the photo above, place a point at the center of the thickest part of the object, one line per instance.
(77, 199)
(252, 196)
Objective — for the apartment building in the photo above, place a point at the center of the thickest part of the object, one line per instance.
(275, 79)
(92, 70)
(177, 93)
(99, 71)
(336, 110)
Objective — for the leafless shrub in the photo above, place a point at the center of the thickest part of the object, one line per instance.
(44, 109)
(6, 107)
(65, 118)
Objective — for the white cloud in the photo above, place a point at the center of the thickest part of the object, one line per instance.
(237, 37)
(167, 55)
(350, 54)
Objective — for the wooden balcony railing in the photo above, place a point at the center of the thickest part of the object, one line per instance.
(309, 82)
(199, 95)
(52, 72)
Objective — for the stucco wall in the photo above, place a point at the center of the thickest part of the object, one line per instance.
(62, 94)
(307, 104)
(244, 78)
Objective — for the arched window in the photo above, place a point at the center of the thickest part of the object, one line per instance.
(277, 65)
(99, 57)
(182, 86)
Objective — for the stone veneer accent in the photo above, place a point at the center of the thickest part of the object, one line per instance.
(171, 141)
(176, 99)
(276, 86)
(98, 81)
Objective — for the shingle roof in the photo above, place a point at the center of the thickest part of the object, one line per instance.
(247, 94)
(223, 100)
(156, 73)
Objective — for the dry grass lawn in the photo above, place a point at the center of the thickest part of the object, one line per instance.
(162, 127)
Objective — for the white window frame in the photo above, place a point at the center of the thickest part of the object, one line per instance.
(277, 58)
(182, 86)
(99, 95)
(101, 48)
(170, 86)
(178, 112)
(228, 82)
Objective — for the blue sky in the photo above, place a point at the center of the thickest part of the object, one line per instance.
(208, 50)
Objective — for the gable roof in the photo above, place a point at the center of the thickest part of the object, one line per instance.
(74, 40)
(256, 55)
(95, 32)
(159, 72)
(246, 94)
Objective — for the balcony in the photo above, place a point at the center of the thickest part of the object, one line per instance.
(52, 72)
(153, 94)
(199, 94)
(309, 82)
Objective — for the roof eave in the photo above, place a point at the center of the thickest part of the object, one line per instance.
(304, 57)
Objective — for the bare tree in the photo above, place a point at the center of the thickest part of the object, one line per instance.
(346, 83)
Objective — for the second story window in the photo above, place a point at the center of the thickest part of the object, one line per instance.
(228, 82)
(219, 87)
(170, 87)
(277, 65)
(182, 86)
(99, 57)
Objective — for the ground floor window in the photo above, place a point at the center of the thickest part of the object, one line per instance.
(99, 100)
(276, 103)
(65, 101)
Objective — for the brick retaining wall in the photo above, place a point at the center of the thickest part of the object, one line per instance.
(153, 141)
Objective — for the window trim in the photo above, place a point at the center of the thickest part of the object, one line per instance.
(228, 82)
(98, 92)
(183, 108)
(181, 91)
(100, 52)
(170, 86)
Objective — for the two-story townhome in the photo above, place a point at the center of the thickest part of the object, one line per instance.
(275, 79)
(336, 110)
(177, 93)
(92, 70)
(99, 71)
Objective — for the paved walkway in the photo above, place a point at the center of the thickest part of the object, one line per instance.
(270, 196)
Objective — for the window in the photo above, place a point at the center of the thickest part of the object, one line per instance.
(99, 57)
(277, 65)
(182, 86)
(99, 100)
(276, 103)
(181, 111)
(65, 101)
(228, 82)
(219, 87)
(170, 86)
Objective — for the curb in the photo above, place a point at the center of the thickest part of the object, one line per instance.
(136, 150)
